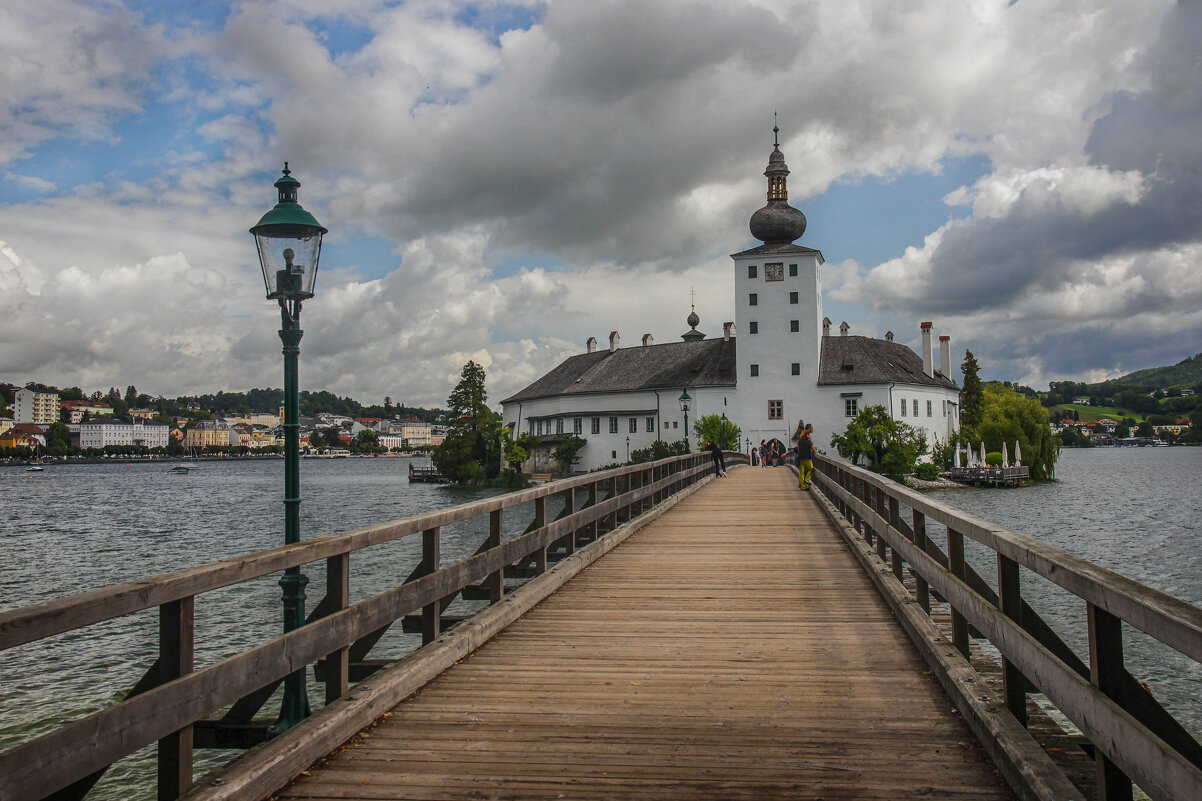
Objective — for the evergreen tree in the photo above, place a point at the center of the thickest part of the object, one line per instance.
(472, 449)
(972, 399)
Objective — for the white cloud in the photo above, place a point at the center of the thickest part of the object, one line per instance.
(620, 160)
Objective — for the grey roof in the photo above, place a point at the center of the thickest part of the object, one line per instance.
(773, 250)
(673, 365)
(863, 360)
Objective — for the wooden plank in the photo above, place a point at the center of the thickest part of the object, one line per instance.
(661, 672)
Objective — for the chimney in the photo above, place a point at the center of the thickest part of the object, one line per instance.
(591, 345)
(647, 340)
(613, 341)
(928, 361)
(826, 326)
(945, 356)
(888, 336)
(727, 331)
(844, 328)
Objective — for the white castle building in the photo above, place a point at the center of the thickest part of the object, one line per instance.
(788, 366)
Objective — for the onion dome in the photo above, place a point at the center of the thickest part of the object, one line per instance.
(777, 223)
(692, 334)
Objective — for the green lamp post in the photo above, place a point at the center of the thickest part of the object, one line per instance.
(288, 239)
(685, 398)
(724, 431)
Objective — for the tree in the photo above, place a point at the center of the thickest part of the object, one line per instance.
(58, 439)
(971, 398)
(1008, 417)
(893, 446)
(660, 449)
(473, 431)
(518, 449)
(710, 429)
(131, 395)
(365, 442)
(327, 437)
(1145, 429)
(567, 452)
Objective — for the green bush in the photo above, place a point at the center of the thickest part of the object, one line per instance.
(927, 471)
(994, 458)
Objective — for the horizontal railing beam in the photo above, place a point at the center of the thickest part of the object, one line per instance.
(38, 621)
(1172, 621)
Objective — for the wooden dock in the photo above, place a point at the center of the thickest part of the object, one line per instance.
(731, 649)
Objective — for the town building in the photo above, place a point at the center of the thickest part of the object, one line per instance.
(75, 411)
(102, 432)
(784, 367)
(32, 406)
(210, 433)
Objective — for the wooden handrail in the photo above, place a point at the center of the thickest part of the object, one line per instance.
(173, 697)
(1135, 739)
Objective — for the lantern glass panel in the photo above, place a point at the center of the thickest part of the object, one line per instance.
(289, 262)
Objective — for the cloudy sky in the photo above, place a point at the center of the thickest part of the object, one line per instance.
(502, 180)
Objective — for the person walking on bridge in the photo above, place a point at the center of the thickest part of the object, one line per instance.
(719, 459)
(805, 457)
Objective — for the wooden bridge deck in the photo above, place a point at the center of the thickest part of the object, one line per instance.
(731, 649)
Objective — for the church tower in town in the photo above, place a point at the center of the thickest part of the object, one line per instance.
(778, 315)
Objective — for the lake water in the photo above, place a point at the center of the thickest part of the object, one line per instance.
(77, 527)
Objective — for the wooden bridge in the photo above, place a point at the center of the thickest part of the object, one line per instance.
(666, 635)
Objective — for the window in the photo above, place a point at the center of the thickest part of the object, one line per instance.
(774, 272)
(751, 271)
(755, 370)
(796, 368)
(559, 425)
(650, 424)
(794, 326)
(613, 425)
(793, 297)
(578, 426)
(529, 426)
(753, 299)
(753, 327)
(792, 270)
(850, 407)
(634, 425)
(776, 410)
(596, 425)
(930, 410)
(675, 424)
(903, 407)
(916, 407)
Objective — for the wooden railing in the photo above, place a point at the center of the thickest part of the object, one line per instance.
(1133, 737)
(170, 703)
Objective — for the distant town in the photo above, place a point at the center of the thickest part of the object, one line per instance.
(43, 423)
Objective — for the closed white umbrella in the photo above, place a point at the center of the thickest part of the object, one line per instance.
(956, 457)
(1018, 455)
(1005, 455)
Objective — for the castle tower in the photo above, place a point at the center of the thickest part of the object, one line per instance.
(778, 313)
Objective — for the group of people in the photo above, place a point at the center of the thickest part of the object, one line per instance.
(767, 455)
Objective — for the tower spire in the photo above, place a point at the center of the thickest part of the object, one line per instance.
(778, 222)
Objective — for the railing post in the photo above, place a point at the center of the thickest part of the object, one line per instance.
(922, 590)
(496, 580)
(540, 520)
(883, 515)
(1106, 671)
(431, 612)
(955, 561)
(176, 635)
(569, 508)
(895, 521)
(1009, 601)
(592, 501)
(338, 591)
